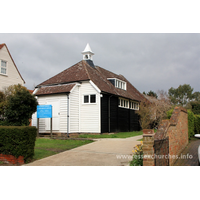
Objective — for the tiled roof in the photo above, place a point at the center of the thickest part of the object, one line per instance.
(83, 71)
(31, 91)
(1, 46)
(75, 73)
(54, 89)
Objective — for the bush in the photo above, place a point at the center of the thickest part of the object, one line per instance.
(191, 120)
(17, 106)
(195, 107)
(169, 113)
(197, 124)
(138, 155)
(18, 141)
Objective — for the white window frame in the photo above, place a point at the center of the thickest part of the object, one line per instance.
(123, 103)
(89, 102)
(2, 67)
(134, 105)
(119, 83)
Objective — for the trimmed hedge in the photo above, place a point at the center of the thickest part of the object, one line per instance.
(197, 124)
(18, 141)
(191, 122)
(195, 107)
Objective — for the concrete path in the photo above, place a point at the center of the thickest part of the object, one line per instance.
(102, 152)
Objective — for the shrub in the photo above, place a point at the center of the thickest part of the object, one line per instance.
(137, 156)
(191, 119)
(18, 141)
(17, 106)
(195, 107)
(169, 113)
(197, 124)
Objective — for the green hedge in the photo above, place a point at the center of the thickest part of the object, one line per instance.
(191, 120)
(195, 107)
(18, 141)
(197, 124)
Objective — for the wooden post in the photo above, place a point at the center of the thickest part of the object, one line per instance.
(38, 127)
(51, 125)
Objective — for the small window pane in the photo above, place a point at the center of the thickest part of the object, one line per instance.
(122, 103)
(127, 104)
(86, 99)
(93, 98)
(3, 63)
(3, 70)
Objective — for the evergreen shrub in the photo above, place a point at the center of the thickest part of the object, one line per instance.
(195, 107)
(197, 124)
(18, 141)
(191, 122)
(169, 113)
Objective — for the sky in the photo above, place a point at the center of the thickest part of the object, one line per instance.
(150, 61)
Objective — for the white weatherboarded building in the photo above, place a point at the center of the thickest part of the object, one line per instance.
(9, 74)
(88, 99)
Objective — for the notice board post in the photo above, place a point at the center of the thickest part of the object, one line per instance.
(44, 111)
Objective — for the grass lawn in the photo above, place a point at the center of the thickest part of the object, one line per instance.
(46, 147)
(116, 135)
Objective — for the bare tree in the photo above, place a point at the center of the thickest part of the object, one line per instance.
(151, 114)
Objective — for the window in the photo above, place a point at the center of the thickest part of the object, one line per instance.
(86, 99)
(93, 98)
(123, 103)
(89, 98)
(118, 83)
(134, 105)
(3, 67)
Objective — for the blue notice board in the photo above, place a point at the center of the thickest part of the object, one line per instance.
(44, 111)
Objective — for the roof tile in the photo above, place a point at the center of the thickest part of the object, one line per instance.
(83, 71)
(54, 89)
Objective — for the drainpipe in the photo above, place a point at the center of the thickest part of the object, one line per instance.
(67, 115)
(109, 113)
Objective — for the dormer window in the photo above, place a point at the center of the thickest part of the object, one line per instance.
(3, 67)
(118, 83)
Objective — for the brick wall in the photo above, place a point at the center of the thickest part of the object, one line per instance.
(148, 150)
(178, 133)
(161, 150)
(176, 130)
(11, 159)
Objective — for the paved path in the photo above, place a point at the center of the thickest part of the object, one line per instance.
(189, 155)
(102, 152)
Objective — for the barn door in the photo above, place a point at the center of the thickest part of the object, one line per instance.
(55, 116)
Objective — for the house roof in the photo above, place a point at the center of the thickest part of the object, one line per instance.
(54, 89)
(1, 46)
(83, 71)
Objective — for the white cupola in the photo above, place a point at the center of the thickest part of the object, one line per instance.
(87, 53)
